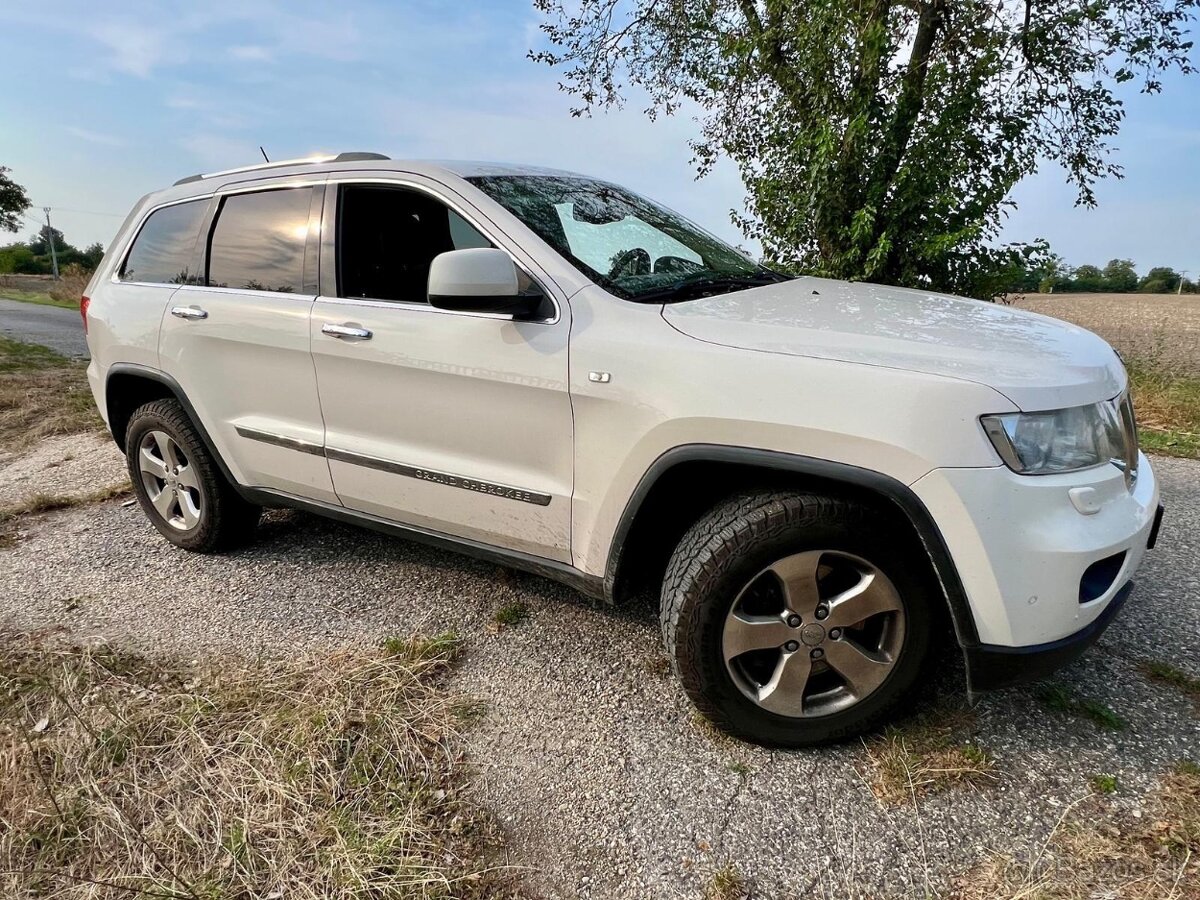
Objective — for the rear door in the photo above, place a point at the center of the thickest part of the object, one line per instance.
(238, 342)
(459, 423)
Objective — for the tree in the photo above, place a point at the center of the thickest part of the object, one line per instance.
(91, 256)
(879, 139)
(1159, 280)
(13, 202)
(1120, 276)
(1088, 279)
(40, 242)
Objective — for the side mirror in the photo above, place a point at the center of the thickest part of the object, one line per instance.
(481, 279)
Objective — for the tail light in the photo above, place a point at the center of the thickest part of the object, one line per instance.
(84, 303)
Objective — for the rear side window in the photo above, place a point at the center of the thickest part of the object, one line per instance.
(258, 240)
(162, 251)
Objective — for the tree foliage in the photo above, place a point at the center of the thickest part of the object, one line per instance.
(879, 139)
(13, 202)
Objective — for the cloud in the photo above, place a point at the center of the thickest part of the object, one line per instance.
(252, 53)
(94, 137)
(135, 49)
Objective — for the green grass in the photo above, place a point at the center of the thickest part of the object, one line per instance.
(1168, 409)
(1058, 698)
(40, 297)
(1104, 784)
(511, 613)
(1165, 673)
(727, 883)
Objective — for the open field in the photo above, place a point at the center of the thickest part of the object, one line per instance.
(1158, 335)
(1160, 330)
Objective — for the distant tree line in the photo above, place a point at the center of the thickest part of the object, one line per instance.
(32, 257)
(1049, 274)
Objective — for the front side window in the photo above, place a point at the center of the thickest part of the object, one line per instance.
(163, 249)
(258, 241)
(626, 243)
(387, 238)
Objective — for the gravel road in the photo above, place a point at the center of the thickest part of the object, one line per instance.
(51, 326)
(587, 750)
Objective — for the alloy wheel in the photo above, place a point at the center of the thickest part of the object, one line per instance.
(814, 633)
(170, 480)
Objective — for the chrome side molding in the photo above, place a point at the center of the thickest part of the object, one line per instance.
(448, 479)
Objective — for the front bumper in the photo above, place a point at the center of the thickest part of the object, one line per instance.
(1027, 549)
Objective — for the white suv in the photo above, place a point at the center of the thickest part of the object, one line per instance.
(828, 480)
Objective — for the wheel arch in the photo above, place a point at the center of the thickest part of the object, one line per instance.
(128, 386)
(687, 480)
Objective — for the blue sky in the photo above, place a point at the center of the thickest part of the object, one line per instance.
(106, 102)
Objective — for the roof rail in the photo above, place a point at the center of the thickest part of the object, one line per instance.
(352, 156)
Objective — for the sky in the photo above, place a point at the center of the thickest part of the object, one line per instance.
(107, 102)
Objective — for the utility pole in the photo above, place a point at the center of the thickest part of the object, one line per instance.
(1179, 290)
(50, 238)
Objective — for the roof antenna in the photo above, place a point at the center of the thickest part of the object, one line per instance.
(263, 152)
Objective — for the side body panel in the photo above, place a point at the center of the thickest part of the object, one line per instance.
(455, 422)
(247, 369)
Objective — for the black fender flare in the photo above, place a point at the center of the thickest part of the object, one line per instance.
(150, 374)
(898, 493)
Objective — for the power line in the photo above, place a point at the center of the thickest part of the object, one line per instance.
(87, 212)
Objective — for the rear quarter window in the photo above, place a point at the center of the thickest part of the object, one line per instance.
(164, 249)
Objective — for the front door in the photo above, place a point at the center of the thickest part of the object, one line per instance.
(456, 423)
(238, 342)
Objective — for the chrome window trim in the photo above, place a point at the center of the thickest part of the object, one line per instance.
(115, 277)
(488, 231)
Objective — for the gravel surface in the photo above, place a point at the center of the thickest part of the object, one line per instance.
(51, 326)
(67, 466)
(587, 750)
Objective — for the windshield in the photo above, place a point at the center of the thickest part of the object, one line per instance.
(629, 245)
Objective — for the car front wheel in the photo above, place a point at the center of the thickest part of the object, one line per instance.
(795, 619)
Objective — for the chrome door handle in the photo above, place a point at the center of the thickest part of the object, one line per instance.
(188, 312)
(346, 331)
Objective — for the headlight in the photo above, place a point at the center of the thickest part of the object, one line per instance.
(1066, 440)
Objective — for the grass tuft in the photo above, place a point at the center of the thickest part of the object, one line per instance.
(1104, 784)
(1168, 408)
(1165, 673)
(334, 776)
(925, 756)
(1058, 698)
(514, 612)
(727, 883)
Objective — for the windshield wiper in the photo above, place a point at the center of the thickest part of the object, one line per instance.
(701, 283)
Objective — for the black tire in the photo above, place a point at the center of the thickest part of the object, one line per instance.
(224, 521)
(724, 551)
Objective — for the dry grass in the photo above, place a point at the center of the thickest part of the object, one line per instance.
(922, 757)
(1096, 852)
(726, 883)
(40, 503)
(335, 776)
(41, 394)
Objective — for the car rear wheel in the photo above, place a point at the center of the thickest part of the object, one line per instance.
(796, 619)
(178, 484)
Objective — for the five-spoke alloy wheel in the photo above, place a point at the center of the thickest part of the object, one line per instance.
(795, 619)
(179, 484)
(170, 481)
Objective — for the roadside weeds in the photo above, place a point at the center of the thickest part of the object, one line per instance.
(327, 776)
(1097, 851)
(40, 503)
(41, 394)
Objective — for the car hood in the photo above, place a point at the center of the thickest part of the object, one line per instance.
(1036, 361)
